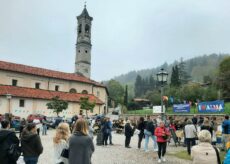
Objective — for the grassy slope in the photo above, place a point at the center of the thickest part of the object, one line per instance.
(193, 110)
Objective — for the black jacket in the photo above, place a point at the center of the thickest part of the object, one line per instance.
(128, 130)
(31, 144)
(7, 138)
(141, 127)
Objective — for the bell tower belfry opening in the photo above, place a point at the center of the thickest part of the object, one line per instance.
(83, 45)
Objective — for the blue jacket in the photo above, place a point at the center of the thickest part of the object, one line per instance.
(227, 158)
(226, 127)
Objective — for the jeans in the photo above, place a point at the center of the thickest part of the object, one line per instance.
(140, 137)
(147, 135)
(105, 138)
(31, 160)
(161, 149)
(110, 137)
(44, 129)
(190, 141)
(127, 141)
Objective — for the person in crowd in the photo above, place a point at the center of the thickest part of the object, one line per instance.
(140, 127)
(22, 126)
(90, 130)
(149, 133)
(7, 138)
(61, 141)
(162, 135)
(201, 120)
(128, 133)
(225, 131)
(190, 135)
(81, 146)
(207, 126)
(227, 158)
(183, 126)
(172, 125)
(44, 126)
(105, 130)
(31, 144)
(204, 152)
(110, 131)
(195, 120)
(37, 122)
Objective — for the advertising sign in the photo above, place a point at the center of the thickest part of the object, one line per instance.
(157, 109)
(211, 106)
(181, 108)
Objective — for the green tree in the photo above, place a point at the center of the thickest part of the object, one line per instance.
(183, 74)
(126, 96)
(138, 86)
(86, 105)
(175, 81)
(57, 105)
(224, 77)
(116, 91)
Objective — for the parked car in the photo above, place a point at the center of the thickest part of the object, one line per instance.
(31, 117)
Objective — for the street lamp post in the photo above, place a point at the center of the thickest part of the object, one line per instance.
(162, 79)
(9, 96)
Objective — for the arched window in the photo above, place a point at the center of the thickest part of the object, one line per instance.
(79, 28)
(72, 90)
(87, 28)
(84, 92)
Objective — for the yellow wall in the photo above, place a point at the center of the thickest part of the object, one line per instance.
(38, 106)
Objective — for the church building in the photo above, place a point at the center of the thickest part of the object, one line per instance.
(26, 90)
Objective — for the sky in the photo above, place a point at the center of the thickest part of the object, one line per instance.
(126, 34)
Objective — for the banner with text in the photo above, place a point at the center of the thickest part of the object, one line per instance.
(211, 106)
(181, 108)
(157, 109)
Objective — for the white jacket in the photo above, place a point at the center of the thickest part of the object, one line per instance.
(190, 131)
(58, 150)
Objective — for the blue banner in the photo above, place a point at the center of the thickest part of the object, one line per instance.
(181, 108)
(211, 106)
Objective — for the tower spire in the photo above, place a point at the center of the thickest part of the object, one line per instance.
(85, 5)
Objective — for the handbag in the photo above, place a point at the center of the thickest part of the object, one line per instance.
(65, 153)
(14, 152)
(217, 154)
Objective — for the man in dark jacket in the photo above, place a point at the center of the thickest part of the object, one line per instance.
(31, 143)
(7, 138)
(149, 133)
(128, 133)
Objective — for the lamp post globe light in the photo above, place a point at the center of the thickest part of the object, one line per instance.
(162, 79)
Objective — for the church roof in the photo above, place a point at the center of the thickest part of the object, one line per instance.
(46, 73)
(85, 14)
(45, 94)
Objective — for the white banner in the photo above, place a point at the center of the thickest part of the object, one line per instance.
(157, 109)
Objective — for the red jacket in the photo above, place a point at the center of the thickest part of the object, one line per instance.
(159, 133)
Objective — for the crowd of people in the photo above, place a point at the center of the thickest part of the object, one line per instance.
(73, 143)
(199, 134)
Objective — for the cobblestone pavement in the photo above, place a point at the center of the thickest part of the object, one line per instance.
(117, 153)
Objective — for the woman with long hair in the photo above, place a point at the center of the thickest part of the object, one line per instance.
(81, 145)
(60, 141)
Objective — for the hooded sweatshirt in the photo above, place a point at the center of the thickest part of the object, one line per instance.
(31, 144)
(7, 138)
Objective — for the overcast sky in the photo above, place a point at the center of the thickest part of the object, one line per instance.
(126, 34)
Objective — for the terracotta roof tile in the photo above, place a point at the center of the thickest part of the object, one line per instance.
(45, 73)
(45, 94)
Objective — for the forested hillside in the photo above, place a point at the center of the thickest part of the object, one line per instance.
(196, 68)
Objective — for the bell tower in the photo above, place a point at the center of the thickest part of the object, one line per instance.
(83, 45)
